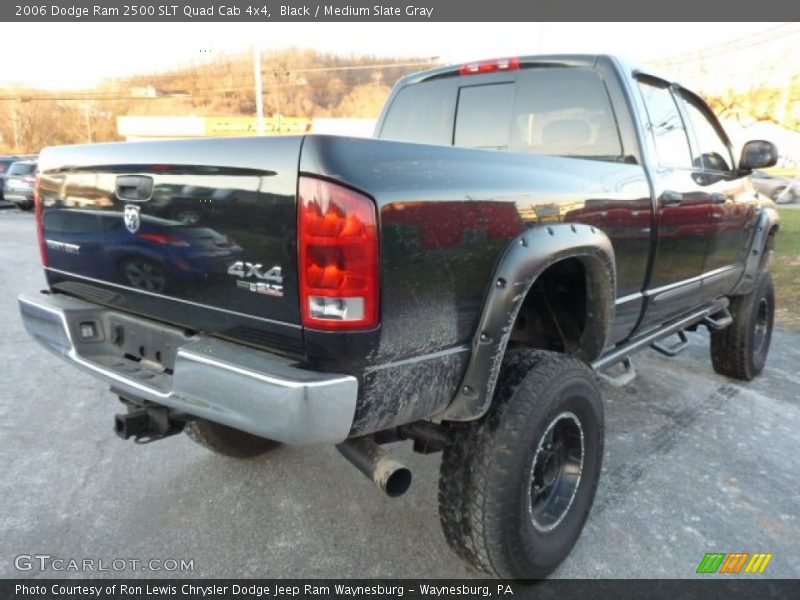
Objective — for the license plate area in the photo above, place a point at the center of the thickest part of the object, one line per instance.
(121, 336)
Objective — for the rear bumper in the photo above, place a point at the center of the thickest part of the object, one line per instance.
(17, 197)
(241, 387)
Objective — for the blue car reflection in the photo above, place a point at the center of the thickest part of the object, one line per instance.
(161, 255)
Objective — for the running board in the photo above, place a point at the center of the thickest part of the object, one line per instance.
(622, 379)
(621, 354)
(718, 320)
(674, 349)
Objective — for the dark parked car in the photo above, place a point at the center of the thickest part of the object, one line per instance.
(518, 228)
(782, 189)
(19, 184)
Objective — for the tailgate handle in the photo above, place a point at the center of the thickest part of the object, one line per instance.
(134, 188)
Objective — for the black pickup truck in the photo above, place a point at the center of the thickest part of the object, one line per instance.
(516, 229)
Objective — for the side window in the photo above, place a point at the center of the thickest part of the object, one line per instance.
(714, 154)
(484, 113)
(422, 113)
(666, 126)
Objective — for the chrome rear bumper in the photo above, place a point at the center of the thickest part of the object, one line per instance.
(241, 387)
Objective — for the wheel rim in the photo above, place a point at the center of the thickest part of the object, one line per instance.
(761, 325)
(556, 472)
(145, 276)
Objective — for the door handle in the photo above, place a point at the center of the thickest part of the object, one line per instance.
(670, 198)
(718, 198)
(134, 188)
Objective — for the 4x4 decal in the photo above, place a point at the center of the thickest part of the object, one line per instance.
(270, 282)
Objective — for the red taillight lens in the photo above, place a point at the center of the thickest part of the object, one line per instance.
(37, 199)
(338, 256)
(490, 66)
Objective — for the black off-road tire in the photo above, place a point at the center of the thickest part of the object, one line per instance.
(228, 441)
(486, 504)
(740, 350)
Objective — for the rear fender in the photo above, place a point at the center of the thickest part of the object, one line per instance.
(523, 261)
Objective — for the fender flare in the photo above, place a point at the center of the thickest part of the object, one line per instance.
(759, 252)
(523, 261)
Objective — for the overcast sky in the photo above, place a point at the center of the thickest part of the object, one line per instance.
(64, 55)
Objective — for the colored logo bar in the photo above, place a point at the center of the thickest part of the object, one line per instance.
(734, 563)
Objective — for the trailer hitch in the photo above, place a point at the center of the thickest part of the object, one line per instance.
(148, 422)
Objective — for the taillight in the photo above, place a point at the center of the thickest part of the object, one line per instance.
(37, 199)
(490, 66)
(338, 256)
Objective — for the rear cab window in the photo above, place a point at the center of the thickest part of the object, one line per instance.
(422, 113)
(484, 116)
(560, 111)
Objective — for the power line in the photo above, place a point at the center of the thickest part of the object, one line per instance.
(427, 62)
(137, 80)
(730, 46)
(193, 93)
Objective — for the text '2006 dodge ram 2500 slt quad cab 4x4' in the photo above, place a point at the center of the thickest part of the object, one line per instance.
(517, 228)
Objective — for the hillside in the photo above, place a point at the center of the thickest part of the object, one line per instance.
(301, 83)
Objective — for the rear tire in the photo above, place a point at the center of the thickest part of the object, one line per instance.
(516, 486)
(26, 206)
(740, 350)
(228, 441)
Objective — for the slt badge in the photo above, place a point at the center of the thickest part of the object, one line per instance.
(271, 281)
(132, 218)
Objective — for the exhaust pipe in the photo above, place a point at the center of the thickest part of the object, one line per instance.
(369, 458)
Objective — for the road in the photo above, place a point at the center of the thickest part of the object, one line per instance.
(694, 463)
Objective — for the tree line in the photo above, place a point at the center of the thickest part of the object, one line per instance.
(296, 83)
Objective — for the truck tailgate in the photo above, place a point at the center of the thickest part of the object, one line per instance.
(200, 233)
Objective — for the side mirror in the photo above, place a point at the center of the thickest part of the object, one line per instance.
(758, 154)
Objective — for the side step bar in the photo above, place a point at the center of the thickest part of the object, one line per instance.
(714, 316)
(719, 320)
(674, 349)
(621, 379)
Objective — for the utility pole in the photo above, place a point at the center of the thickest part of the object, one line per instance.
(277, 89)
(88, 111)
(16, 106)
(259, 89)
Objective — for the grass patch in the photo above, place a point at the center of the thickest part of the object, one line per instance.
(785, 269)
